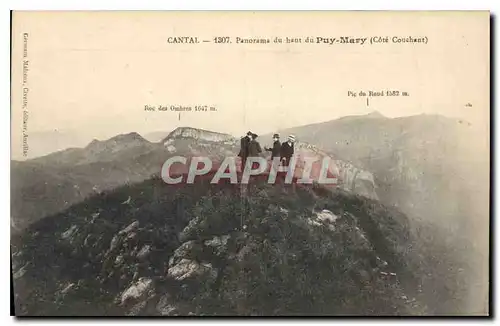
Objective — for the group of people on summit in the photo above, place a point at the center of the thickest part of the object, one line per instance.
(250, 147)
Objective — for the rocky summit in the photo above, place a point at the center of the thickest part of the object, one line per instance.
(204, 249)
(47, 185)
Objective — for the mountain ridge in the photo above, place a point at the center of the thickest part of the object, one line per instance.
(73, 174)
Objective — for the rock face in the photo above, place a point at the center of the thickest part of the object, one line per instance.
(349, 177)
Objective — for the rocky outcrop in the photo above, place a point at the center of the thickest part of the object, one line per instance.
(356, 180)
(69, 233)
(323, 218)
(191, 269)
(199, 134)
(132, 226)
(188, 250)
(137, 290)
(219, 244)
(348, 176)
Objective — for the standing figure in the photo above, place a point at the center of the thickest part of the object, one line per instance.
(276, 150)
(244, 146)
(254, 148)
(287, 150)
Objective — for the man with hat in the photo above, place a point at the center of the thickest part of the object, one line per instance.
(254, 148)
(276, 150)
(287, 150)
(245, 141)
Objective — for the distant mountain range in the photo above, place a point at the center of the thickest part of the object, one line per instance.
(42, 143)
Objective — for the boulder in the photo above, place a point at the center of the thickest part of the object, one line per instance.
(132, 226)
(188, 250)
(137, 290)
(191, 269)
(68, 234)
(219, 244)
(326, 216)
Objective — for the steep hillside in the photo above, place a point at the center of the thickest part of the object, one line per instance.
(419, 162)
(202, 249)
(48, 184)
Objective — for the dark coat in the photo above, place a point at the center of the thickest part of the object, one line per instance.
(276, 150)
(245, 141)
(286, 150)
(254, 148)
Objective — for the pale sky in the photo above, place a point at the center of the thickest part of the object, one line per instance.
(94, 72)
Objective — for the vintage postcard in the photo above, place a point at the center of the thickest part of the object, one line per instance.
(250, 163)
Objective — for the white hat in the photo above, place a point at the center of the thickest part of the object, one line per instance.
(291, 138)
